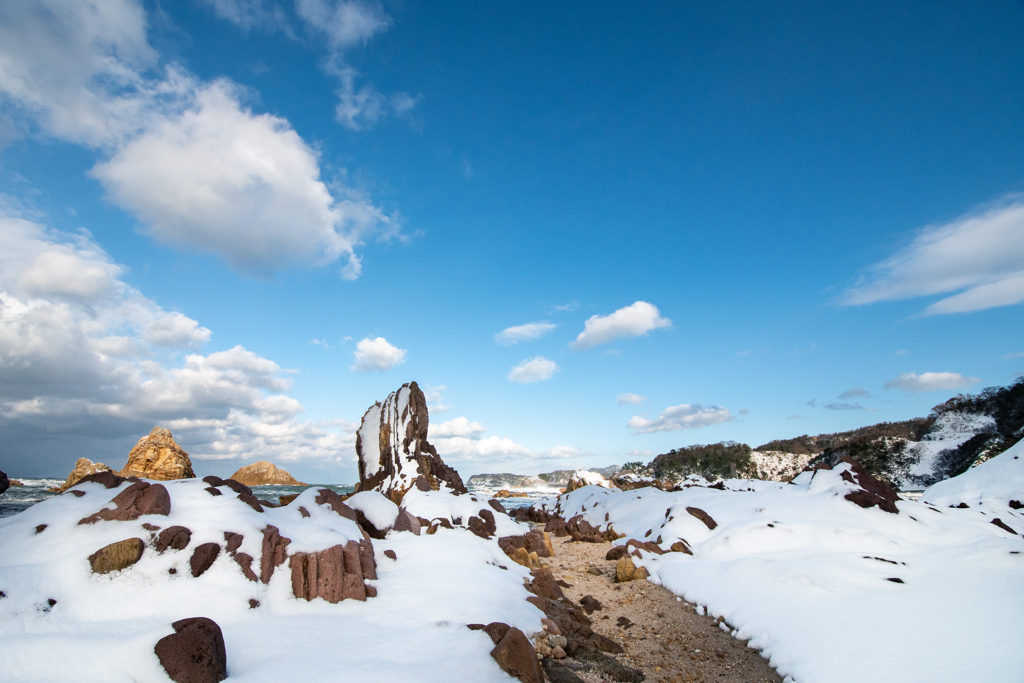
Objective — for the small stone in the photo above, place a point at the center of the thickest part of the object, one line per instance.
(117, 556)
(40, 528)
(594, 571)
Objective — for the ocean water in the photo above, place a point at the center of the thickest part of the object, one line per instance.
(18, 498)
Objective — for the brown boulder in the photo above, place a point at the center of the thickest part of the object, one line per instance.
(83, 468)
(625, 570)
(274, 552)
(141, 498)
(157, 456)
(704, 517)
(515, 655)
(263, 473)
(116, 556)
(392, 450)
(194, 653)
(203, 557)
(175, 537)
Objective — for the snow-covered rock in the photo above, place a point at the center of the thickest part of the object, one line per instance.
(993, 483)
(393, 452)
(581, 478)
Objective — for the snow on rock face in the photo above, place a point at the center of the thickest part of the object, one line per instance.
(393, 452)
(276, 581)
(833, 592)
(379, 511)
(949, 431)
(581, 478)
(993, 483)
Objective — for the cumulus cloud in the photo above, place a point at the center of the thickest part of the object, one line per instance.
(90, 356)
(630, 321)
(523, 333)
(435, 398)
(631, 399)
(460, 426)
(532, 370)
(681, 417)
(344, 23)
(198, 169)
(854, 392)
(978, 258)
(460, 440)
(377, 355)
(930, 381)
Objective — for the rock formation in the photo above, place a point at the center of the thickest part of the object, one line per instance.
(581, 478)
(157, 456)
(141, 498)
(83, 468)
(263, 473)
(194, 653)
(392, 449)
(4, 482)
(116, 556)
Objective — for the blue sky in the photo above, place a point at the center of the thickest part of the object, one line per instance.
(591, 233)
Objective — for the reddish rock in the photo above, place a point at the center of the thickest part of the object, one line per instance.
(616, 553)
(174, 537)
(872, 491)
(234, 541)
(515, 655)
(590, 604)
(704, 517)
(583, 531)
(390, 554)
(335, 502)
(319, 574)
(141, 498)
(244, 562)
(406, 521)
(274, 552)
(202, 557)
(194, 653)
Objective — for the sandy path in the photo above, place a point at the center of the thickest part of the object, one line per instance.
(668, 640)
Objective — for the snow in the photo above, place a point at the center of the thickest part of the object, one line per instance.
(949, 431)
(442, 504)
(588, 478)
(104, 627)
(992, 483)
(369, 438)
(379, 511)
(803, 574)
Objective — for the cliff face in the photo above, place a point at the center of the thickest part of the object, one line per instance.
(158, 456)
(393, 452)
(263, 473)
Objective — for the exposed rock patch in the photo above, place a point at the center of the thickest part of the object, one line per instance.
(872, 491)
(393, 452)
(335, 574)
(194, 653)
(263, 473)
(158, 456)
(117, 556)
(203, 557)
(175, 538)
(141, 498)
(274, 552)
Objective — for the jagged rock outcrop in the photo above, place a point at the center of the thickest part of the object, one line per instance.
(628, 481)
(158, 456)
(83, 468)
(581, 478)
(393, 452)
(4, 482)
(263, 473)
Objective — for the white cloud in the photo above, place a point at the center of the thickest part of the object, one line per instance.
(980, 256)
(532, 370)
(630, 321)
(522, 333)
(844, 406)
(250, 14)
(632, 399)
(930, 381)
(198, 169)
(681, 417)
(377, 355)
(246, 187)
(344, 23)
(460, 426)
(855, 392)
(92, 361)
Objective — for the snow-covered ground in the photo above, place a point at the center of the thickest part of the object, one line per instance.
(949, 431)
(808, 576)
(103, 627)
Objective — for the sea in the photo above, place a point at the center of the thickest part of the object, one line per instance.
(19, 498)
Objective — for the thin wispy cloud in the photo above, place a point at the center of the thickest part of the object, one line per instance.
(844, 406)
(535, 369)
(630, 399)
(855, 392)
(930, 381)
(681, 417)
(523, 333)
(977, 259)
(631, 321)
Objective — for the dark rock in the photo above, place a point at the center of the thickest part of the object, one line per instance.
(545, 585)
(962, 506)
(111, 558)
(490, 526)
(335, 502)
(253, 602)
(319, 574)
(583, 531)
(704, 517)
(287, 499)
(194, 653)
(611, 667)
(213, 480)
(498, 507)
(367, 564)
(212, 491)
(496, 630)
(150, 527)
(478, 527)
(76, 493)
(244, 562)
(234, 541)
(250, 500)
(406, 521)
(681, 546)
(174, 537)
(390, 553)
(616, 552)
(999, 523)
(40, 528)
(202, 557)
(606, 644)
(5, 483)
(536, 541)
(1016, 504)
(624, 622)
(141, 498)
(303, 511)
(107, 478)
(274, 552)
(872, 491)
(895, 580)
(516, 656)
(557, 672)
(590, 604)
(236, 486)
